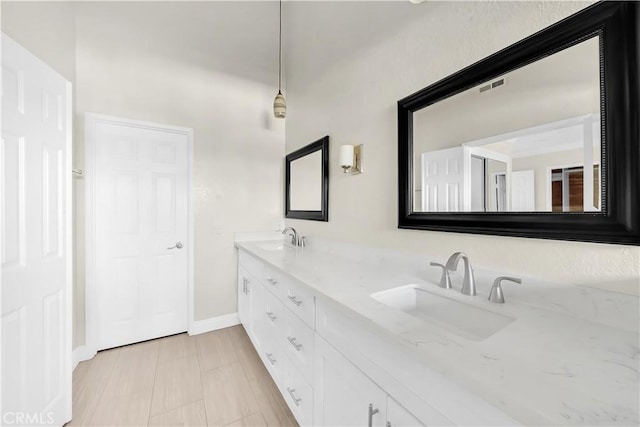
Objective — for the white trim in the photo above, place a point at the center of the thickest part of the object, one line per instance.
(90, 121)
(70, 251)
(213, 324)
(80, 354)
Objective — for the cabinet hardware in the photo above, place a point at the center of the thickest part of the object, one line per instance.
(296, 400)
(270, 358)
(272, 281)
(271, 316)
(244, 285)
(293, 342)
(372, 412)
(388, 424)
(295, 300)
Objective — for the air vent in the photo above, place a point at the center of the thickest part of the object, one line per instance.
(493, 85)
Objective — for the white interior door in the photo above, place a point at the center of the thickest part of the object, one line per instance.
(523, 196)
(443, 180)
(141, 230)
(35, 189)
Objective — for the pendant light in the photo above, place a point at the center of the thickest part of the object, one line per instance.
(279, 104)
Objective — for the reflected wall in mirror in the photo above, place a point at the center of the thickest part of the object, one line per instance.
(539, 140)
(307, 182)
(497, 146)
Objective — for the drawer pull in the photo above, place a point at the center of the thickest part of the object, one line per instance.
(270, 358)
(272, 281)
(293, 342)
(296, 400)
(372, 412)
(295, 300)
(271, 316)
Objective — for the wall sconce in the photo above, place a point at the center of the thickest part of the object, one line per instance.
(351, 159)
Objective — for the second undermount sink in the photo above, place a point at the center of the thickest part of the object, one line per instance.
(272, 246)
(455, 316)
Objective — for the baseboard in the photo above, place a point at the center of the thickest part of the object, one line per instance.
(214, 323)
(80, 354)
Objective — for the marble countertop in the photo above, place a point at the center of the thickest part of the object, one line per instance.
(570, 357)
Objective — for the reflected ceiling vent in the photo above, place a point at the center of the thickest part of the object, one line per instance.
(493, 85)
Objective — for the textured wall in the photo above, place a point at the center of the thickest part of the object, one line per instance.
(209, 66)
(351, 95)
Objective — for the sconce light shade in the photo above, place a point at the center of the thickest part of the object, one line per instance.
(346, 157)
(350, 157)
(279, 106)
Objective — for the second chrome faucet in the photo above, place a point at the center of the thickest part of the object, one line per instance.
(468, 282)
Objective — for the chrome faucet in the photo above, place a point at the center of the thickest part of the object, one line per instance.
(469, 282)
(294, 235)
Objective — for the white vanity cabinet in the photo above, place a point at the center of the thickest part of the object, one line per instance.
(346, 396)
(277, 315)
(320, 385)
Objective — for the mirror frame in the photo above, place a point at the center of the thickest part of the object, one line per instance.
(618, 25)
(323, 214)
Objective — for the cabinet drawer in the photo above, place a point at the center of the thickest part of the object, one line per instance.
(298, 344)
(299, 395)
(299, 301)
(272, 355)
(251, 265)
(273, 280)
(274, 315)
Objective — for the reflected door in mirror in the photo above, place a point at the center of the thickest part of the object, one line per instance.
(508, 134)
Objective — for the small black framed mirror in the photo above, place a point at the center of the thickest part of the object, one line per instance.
(307, 182)
(505, 165)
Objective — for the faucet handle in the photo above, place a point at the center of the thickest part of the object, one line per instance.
(302, 241)
(496, 295)
(445, 280)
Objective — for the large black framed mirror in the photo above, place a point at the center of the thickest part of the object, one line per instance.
(540, 139)
(307, 182)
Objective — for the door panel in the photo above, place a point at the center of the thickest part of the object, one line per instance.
(141, 212)
(36, 266)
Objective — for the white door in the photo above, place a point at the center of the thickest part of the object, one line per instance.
(140, 230)
(442, 180)
(35, 187)
(523, 196)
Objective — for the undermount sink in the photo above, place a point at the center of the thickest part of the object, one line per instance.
(272, 246)
(455, 316)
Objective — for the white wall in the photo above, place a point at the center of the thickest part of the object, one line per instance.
(210, 66)
(351, 93)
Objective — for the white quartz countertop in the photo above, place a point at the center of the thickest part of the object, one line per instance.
(570, 357)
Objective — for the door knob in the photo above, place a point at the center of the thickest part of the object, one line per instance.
(178, 245)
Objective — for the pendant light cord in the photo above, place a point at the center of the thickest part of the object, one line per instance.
(280, 51)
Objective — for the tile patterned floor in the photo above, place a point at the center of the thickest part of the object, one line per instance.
(212, 379)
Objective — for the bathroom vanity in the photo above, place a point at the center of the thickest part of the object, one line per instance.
(355, 335)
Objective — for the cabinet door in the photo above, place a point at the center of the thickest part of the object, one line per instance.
(343, 393)
(256, 312)
(397, 416)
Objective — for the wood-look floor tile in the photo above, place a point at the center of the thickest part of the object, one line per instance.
(253, 366)
(89, 381)
(215, 349)
(176, 347)
(191, 415)
(272, 405)
(252, 420)
(177, 383)
(227, 394)
(127, 397)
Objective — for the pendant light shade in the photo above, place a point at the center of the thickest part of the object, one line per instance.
(279, 104)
